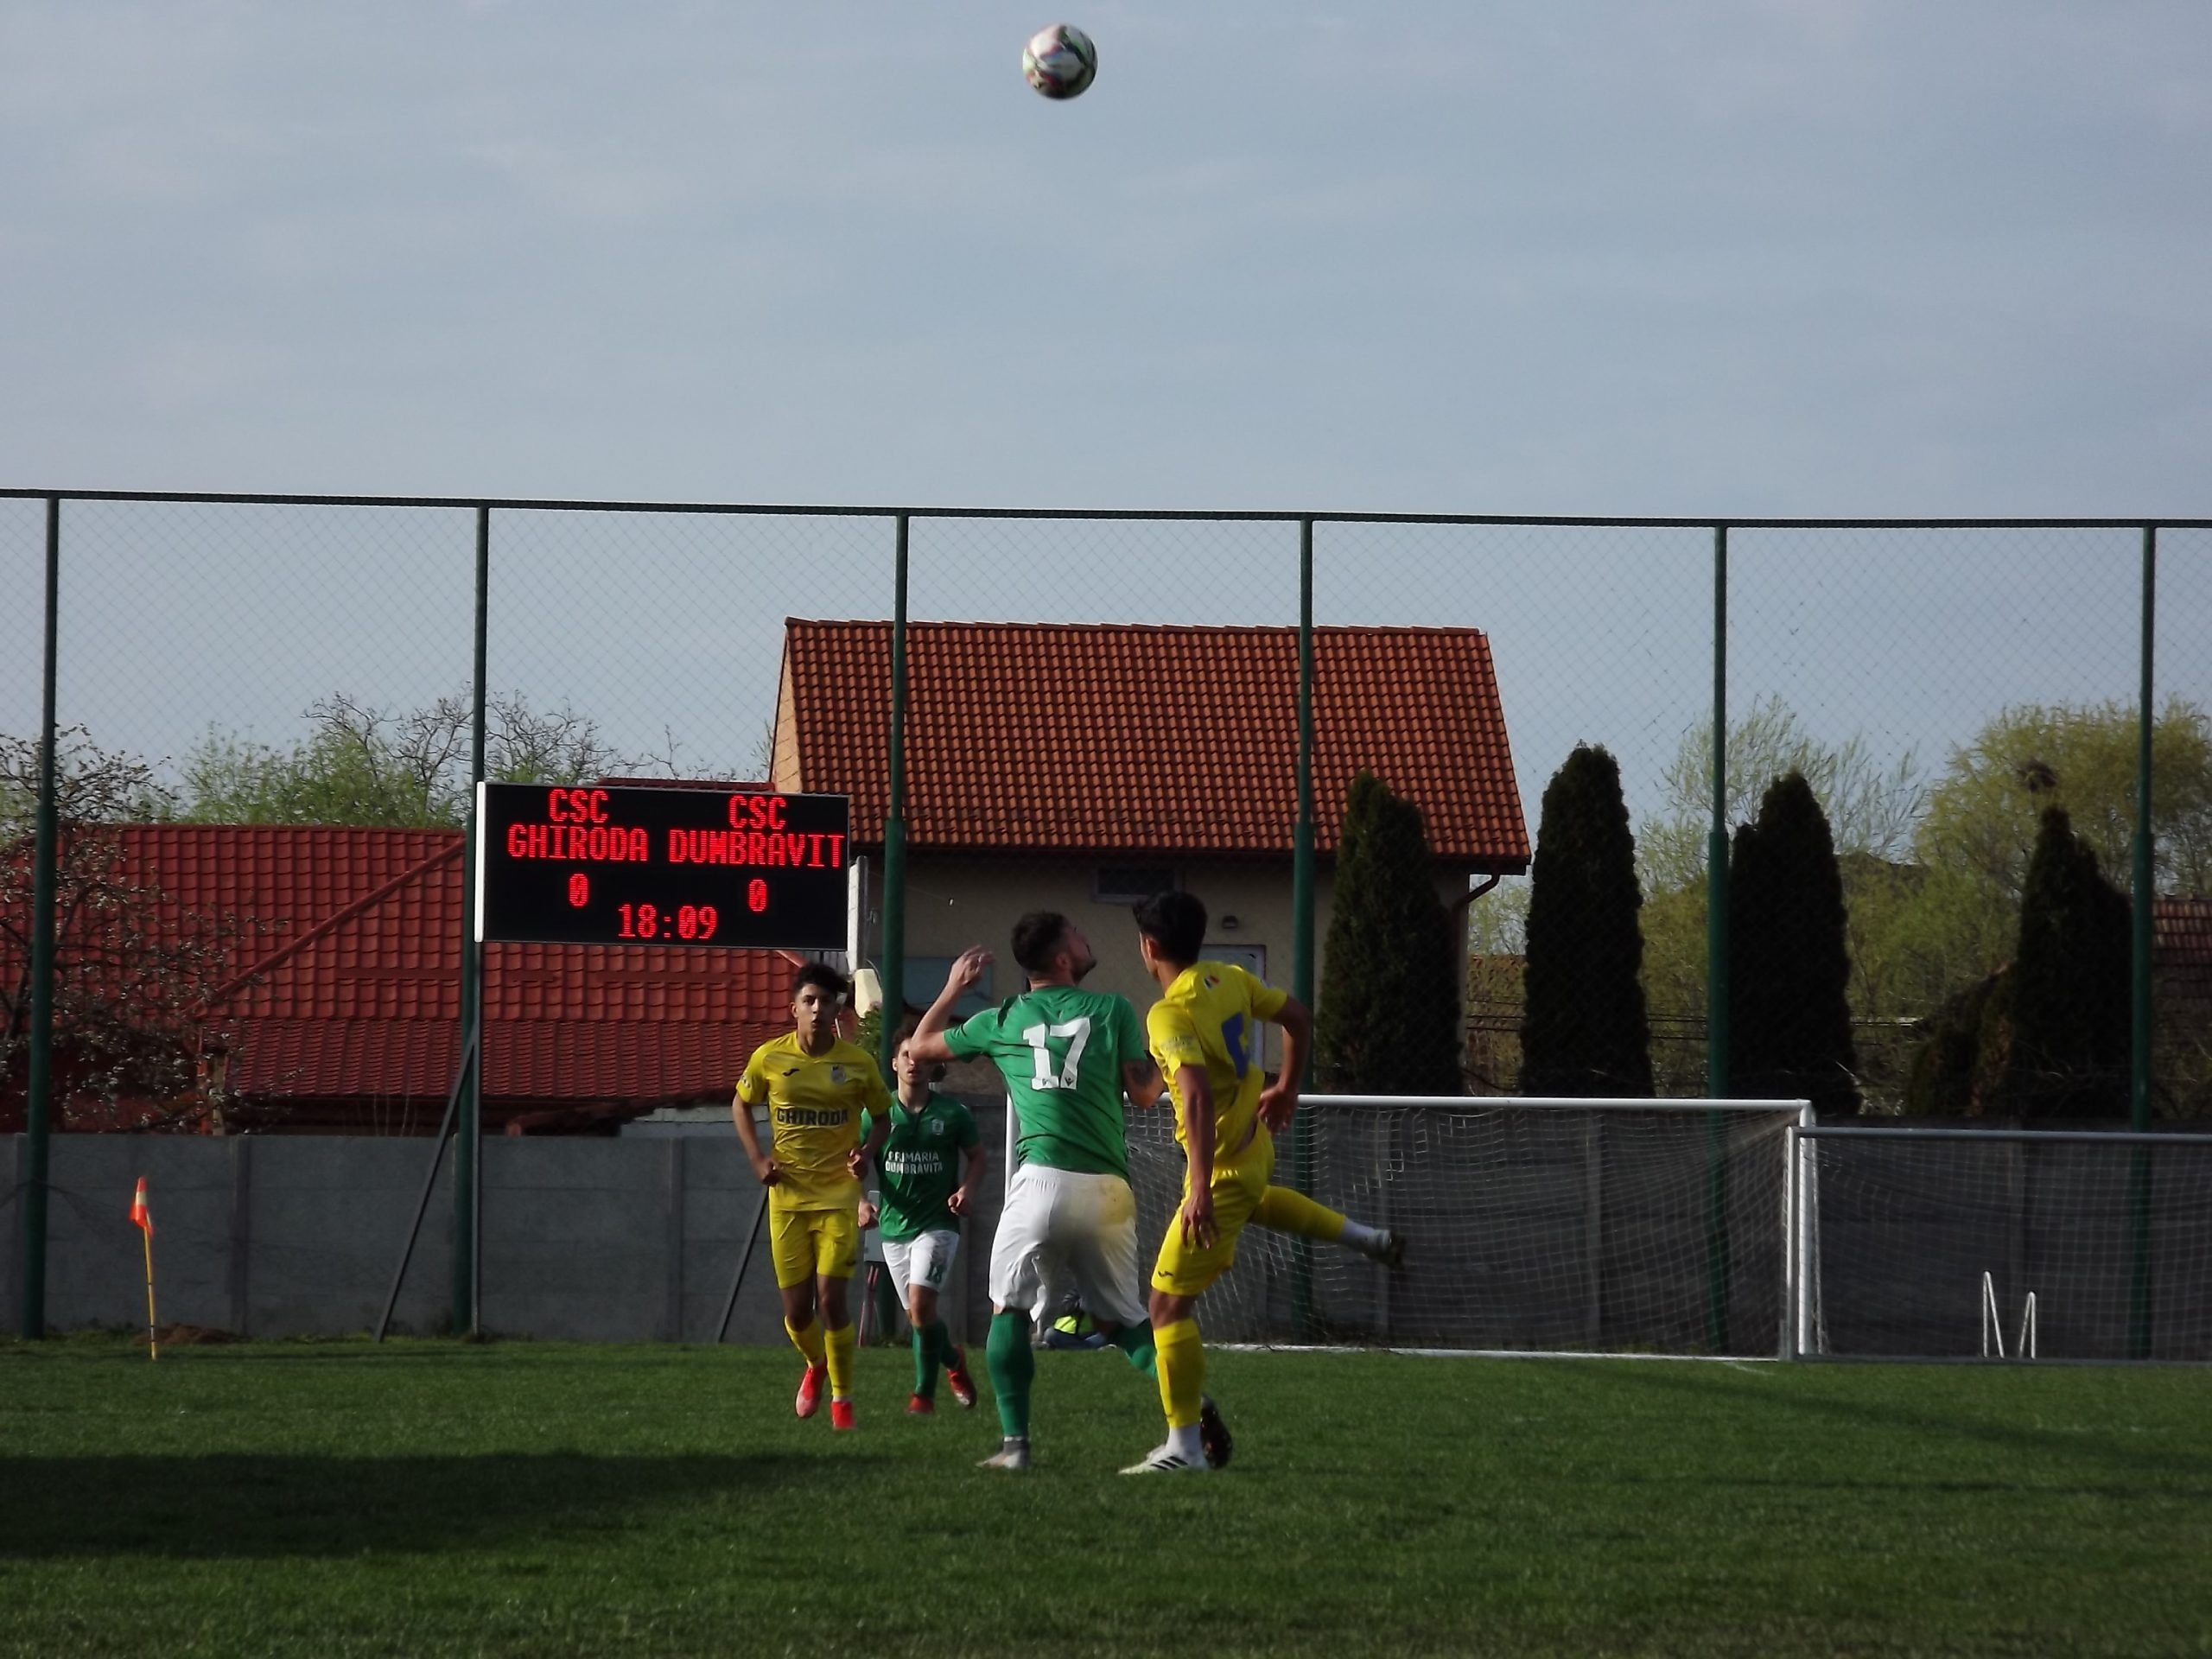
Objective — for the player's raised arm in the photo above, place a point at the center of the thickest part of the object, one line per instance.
(1280, 1098)
(928, 1042)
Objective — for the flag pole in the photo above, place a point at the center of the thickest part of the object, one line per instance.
(152, 1346)
(142, 1217)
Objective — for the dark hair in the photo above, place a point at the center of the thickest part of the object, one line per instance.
(1175, 922)
(822, 974)
(1037, 939)
(909, 1023)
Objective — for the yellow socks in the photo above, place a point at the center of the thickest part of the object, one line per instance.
(1288, 1211)
(807, 1338)
(1182, 1371)
(842, 1344)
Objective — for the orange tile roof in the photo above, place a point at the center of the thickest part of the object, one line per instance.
(1150, 739)
(2181, 947)
(346, 979)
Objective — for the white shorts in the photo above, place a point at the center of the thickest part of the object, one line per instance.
(925, 1260)
(1063, 1231)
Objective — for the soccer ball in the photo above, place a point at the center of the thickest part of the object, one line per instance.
(1060, 61)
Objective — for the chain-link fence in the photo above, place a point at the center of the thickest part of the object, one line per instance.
(266, 714)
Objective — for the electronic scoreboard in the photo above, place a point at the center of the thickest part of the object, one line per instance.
(624, 864)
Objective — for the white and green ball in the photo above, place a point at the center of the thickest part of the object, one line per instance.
(1060, 61)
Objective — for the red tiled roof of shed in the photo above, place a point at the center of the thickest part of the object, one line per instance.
(2181, 947)
(345, 981)
(1152, 739)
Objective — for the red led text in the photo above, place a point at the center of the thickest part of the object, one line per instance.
(574, 844)
(785, 849)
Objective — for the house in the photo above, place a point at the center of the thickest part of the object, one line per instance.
(1083, 768)
(338, 1009)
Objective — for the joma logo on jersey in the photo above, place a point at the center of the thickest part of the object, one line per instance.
(808, 1117)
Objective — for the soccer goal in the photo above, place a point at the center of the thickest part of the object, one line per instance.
(1567, 1226)
(1961, 1243)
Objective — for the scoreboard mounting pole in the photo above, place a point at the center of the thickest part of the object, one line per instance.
(469, 1143)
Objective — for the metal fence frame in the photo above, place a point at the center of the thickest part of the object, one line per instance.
(467, 1126)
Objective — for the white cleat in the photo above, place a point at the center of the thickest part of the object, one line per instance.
(1166, 1461)
(1014, 1454)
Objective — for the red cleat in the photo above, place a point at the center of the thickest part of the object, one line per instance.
(921, 1406)
(964, 1386)
(841, 1413)
(810, 1391)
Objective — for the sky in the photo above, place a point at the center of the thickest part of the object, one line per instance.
(1723, 258)
(1742, 257)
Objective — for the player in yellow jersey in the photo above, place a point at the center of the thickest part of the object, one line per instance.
(814, 1086)
(1204, 1033)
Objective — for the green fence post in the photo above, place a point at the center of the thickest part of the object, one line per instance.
(1716, 969)
(2141, 916)
(1301, 914)
(893, 969)
(39, 1105)
(467, 1160)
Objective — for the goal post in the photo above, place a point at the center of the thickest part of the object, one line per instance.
(1531, 1226)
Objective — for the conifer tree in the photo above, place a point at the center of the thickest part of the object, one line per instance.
(1389, 1018)
(2069, 989)
(1584, 1030)
(1788, 971)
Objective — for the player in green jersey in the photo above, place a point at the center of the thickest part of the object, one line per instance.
(924, 1192)
(1067, 1055)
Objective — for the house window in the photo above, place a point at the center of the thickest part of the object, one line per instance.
(1131, 884)
(925, 978)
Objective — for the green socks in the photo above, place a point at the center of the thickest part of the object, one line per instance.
(1013, 1367)
(1135, 1343)
(933, 1347)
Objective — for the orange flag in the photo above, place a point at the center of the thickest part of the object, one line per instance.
(140, 1215)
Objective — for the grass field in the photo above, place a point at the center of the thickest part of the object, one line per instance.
(444, 1498)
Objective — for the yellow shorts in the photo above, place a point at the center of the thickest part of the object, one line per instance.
(1185, 1269)
(813, 1243)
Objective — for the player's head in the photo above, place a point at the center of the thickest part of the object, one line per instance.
(818, 991)
(1051, 949)
(1170, 930)
(903, 1064)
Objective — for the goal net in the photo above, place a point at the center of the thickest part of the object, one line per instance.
(1928, 1243)
(1544, 1225)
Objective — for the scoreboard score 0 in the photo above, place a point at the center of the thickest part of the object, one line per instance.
(626, 864)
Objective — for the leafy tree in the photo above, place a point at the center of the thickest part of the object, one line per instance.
(1585, 1030)
(1789, 1024)
(133, 968)
(1389, 1018)
(1985, 816)
(364, 765)
(2068, 986)
(1871, 808)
